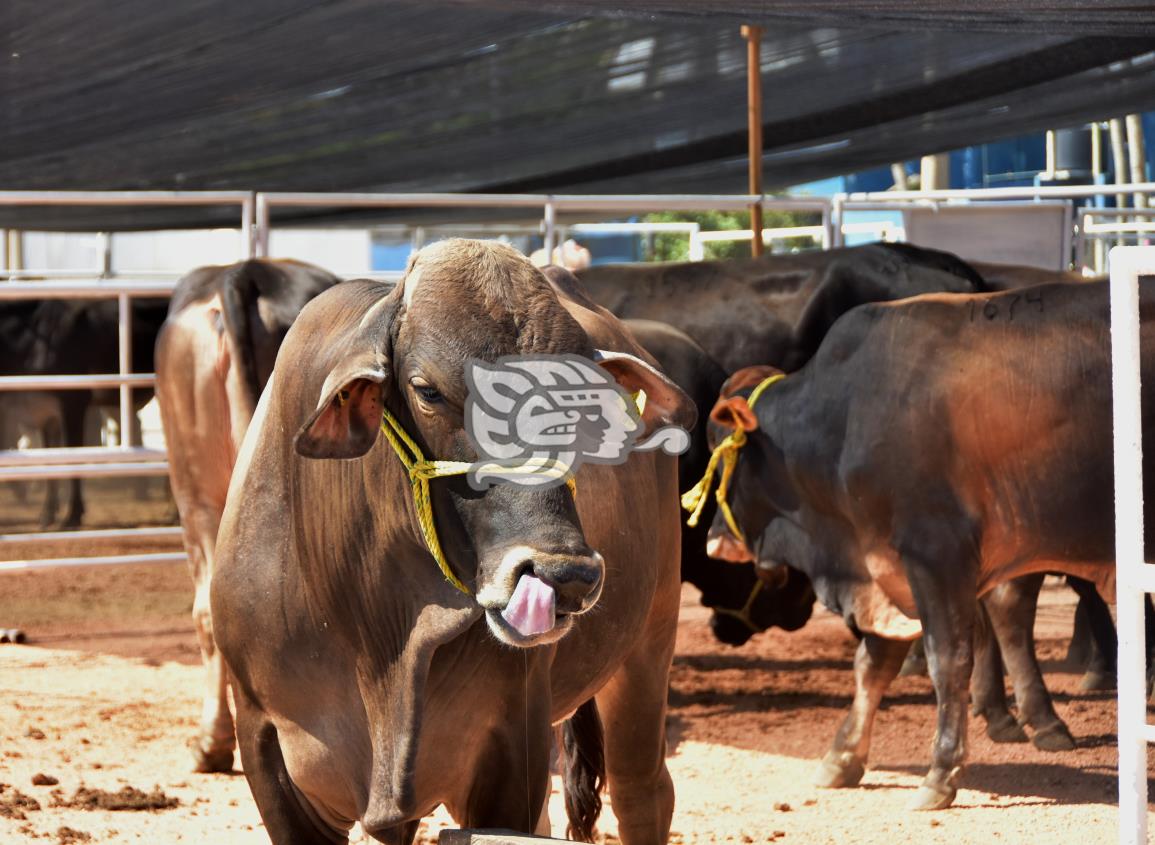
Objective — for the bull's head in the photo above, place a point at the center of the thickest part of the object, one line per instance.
(519, 549)
(758, 488)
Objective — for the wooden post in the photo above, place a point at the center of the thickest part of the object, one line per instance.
(753, 36)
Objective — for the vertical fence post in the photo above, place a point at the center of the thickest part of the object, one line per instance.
(105, 241)
(1129, 554)
(124, 338)
(836, 214)
(261, 235)
(549, 229)
(248, 230)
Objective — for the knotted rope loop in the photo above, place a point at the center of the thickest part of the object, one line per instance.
(726, 453)
(420, 471)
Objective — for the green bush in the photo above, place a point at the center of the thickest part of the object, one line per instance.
(675, 246)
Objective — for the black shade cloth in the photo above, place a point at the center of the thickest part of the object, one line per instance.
(360, 95)
(1030, 17)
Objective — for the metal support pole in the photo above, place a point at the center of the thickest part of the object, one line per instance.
(1100, 248)
(1129, 562)
(248, 231)
(124, 338)
(836, 219)
(549, 229)
(753, 36)
(105, 240)
(1119, 159)
(15, 249)
(827, 228)
(1137, 160)
(261, 236)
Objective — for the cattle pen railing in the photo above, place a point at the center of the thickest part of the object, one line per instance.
(123, 459)
(256, 222)
(1135, 577)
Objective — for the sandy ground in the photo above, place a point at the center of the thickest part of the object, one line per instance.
(107, 692)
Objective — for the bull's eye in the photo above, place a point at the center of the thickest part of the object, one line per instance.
(427, 392)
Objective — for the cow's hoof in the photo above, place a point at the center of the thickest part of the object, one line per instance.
(1004, 728)
(1056, 737)
(1097, 680)
(839, 770)
(933, 797)
(211, 761)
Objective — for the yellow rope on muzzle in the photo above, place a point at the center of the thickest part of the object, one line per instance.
(420, 471)
(726, 453)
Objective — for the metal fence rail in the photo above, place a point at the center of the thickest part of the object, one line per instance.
(255, 224)
(47, 464)
(550, 204)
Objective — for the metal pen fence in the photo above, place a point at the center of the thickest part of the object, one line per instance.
(1135, 577)
(256, 222)
(124, 459)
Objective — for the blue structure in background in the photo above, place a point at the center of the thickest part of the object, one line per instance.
(1010, 163)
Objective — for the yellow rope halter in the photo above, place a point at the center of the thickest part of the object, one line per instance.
(694, 499)
(420, 471)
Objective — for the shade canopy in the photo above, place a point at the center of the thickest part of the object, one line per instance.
(503, 95)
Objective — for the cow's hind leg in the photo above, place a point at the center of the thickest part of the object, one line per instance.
(945, 595)
(287, 816)
(212, 747)
(988, 692)
(876, 664)
(1102, 645)
(73, 408)
(1012, 609)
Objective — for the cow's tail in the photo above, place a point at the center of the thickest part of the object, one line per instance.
(583, 747)
(238, 291)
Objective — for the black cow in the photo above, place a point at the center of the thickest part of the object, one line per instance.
(62, 337)
(932, 450)
(742, 604)
(730, 314)
(777, 307)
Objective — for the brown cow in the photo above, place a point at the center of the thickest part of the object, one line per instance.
(368, 687)
(213, 356)
(933, 449)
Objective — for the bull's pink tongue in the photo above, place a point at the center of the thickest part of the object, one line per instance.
(530, 609)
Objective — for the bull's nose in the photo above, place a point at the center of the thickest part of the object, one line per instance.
(727, 548)
(576, 580)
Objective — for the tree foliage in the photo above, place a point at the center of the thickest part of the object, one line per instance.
(675, 246)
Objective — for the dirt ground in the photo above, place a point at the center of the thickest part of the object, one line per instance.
(105, 695)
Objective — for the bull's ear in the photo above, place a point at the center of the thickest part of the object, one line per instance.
(348, 417)
(734, 412)
(666, 403)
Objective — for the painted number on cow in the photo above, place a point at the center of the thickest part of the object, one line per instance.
(1005, 308)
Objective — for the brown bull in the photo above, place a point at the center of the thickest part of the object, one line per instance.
(213, 356)
(369, 688)
(932, 450)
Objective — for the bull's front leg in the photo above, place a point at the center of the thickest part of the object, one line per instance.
(876, 664)
(632, 707)
(509, 786)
